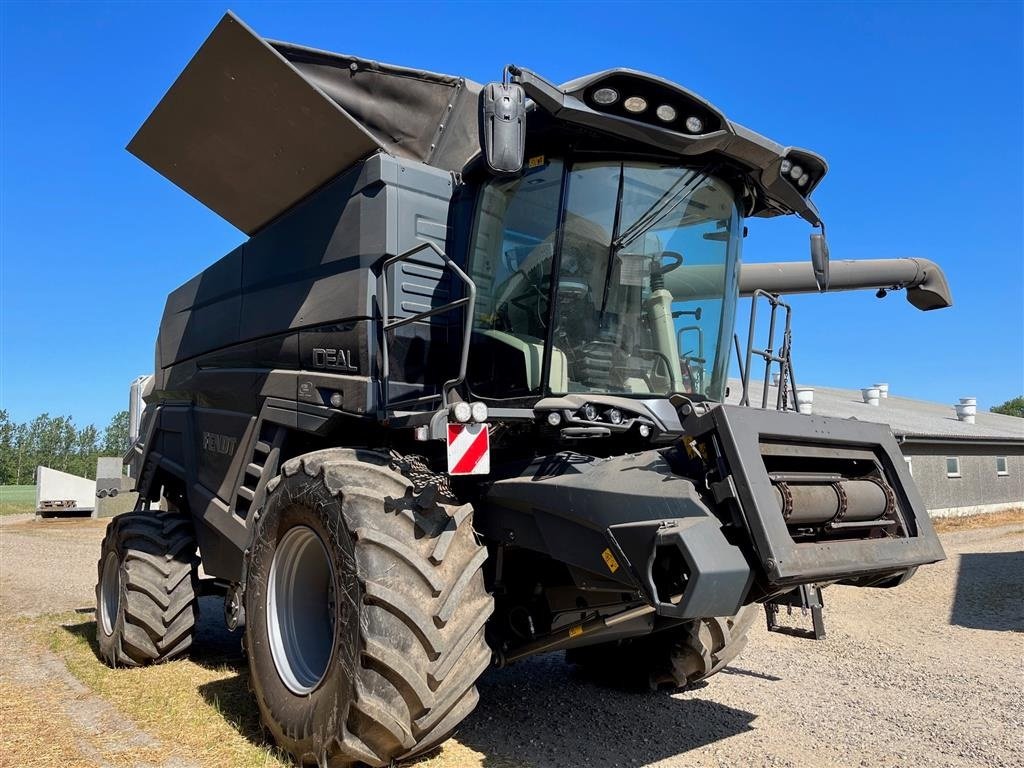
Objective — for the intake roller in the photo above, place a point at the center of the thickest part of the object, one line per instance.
(845, 501)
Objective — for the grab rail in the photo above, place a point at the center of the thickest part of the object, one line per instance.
(388, 324)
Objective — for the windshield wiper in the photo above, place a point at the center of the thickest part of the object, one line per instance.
(663, 206)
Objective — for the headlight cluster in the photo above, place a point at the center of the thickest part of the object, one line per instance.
(589, 412)
(795, 172)
(465, 412)
(637, 105)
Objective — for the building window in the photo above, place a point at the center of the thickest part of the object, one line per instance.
(1001, 468)
(952, 466)
(910, 465)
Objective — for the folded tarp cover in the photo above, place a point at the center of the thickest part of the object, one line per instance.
(251, 127)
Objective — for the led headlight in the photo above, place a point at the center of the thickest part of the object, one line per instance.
(614, 416)
(462, 412)
(694, 124)
(589, 412)
(605, 96)
(479, 411)
(785, 166)
(635, 104)
(666, 113)
(796, 172)
(802, 181)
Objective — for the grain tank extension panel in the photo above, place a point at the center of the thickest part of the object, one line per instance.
(251, 127)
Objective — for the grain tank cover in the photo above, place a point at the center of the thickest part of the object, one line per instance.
(252, 127)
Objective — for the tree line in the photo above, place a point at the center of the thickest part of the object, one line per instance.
(1012, 407)
(56, 442)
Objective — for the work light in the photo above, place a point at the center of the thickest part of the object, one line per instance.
(462, 412)
(635, 104)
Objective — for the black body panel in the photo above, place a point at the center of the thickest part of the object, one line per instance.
(579, 509)
(743, 438)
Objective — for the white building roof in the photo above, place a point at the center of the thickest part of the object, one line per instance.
(905, 416)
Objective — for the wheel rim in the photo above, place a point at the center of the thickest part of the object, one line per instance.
(300, 610)
(110, 593)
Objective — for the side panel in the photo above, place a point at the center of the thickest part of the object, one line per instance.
(175, 450)
(260, 342)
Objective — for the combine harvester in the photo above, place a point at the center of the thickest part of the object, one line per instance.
(458, 399)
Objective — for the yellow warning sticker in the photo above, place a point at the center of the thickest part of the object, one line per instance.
(610, 561)
(576, 631)
(535, 162)
(693, 450)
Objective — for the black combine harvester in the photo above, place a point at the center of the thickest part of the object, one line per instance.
(459, 398)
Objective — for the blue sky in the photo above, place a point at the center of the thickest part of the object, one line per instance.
(918, 108)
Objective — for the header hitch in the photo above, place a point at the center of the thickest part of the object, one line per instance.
(805, 597)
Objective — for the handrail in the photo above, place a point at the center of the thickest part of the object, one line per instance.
(787, 379)
(387, 324)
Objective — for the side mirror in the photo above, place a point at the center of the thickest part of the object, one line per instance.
(503, 124)
(819, 259)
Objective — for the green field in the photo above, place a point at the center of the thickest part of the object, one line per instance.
(16, 499)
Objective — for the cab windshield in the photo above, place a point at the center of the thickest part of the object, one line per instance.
(604, 277)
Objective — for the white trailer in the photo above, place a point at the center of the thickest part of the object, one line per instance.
(61, 492)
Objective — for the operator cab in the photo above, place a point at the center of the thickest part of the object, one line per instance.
(603, 277)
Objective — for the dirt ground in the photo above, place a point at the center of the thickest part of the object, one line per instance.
(931, 673)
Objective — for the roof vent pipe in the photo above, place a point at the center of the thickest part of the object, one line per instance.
(883, 390)
(871, 395)
(966, 409)
(964, 413)
(805, 400)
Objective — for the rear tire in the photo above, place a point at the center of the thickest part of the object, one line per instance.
(676, 658)
(365, 609)
(146, 592)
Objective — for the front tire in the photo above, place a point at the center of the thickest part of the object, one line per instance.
(365, 607)
(146, 593)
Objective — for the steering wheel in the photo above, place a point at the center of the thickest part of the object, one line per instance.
(522, 302)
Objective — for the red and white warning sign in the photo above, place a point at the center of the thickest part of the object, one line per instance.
(469, 449)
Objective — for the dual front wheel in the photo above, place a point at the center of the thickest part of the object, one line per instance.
(365, 608)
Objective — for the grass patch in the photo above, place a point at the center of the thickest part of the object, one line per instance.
(972, 522)
(200, 706)
(17, 499)
(35, 733)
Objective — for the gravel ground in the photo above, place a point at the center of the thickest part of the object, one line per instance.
(931, 673)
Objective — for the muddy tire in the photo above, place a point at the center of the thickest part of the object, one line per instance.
(365, 609)
(146, 592)
(673, 658)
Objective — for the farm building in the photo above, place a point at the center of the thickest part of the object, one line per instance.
(961, 467)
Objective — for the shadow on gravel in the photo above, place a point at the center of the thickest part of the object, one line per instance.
(990, 592)
(750, 673)
(539, 713)
(543, 714)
